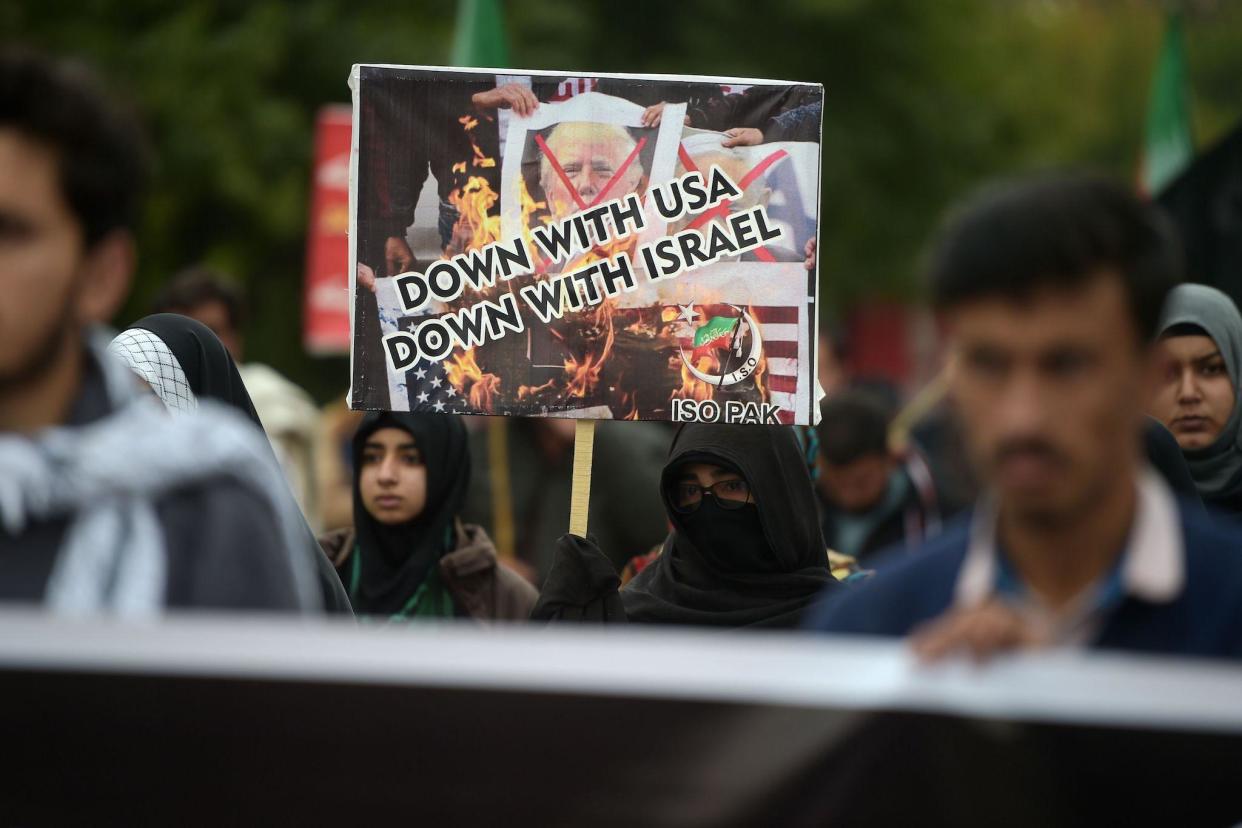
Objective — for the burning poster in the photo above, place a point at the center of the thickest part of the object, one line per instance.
(610, 247)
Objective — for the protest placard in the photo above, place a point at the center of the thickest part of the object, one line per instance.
(604, 247)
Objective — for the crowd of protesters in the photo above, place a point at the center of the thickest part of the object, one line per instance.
(1094, 403)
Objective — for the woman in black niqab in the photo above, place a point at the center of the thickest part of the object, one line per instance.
(761, 565)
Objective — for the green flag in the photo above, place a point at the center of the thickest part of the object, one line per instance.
(480, 36)
(1169, 147)
(717, 333)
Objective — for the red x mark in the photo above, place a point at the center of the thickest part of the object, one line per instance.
(569, 185)
(723, 207)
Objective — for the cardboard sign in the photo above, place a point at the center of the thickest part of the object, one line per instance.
(628, 247)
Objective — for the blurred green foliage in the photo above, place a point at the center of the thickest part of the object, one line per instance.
(924, 100)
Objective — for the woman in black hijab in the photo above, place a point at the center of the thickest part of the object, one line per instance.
(199, 356)
(745, 549)
(184, 361)
(409, 555)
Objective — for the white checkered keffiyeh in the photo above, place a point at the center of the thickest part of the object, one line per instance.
(106, 478)
(150, 358)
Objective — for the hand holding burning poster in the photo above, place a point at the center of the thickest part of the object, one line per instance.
(613, 269)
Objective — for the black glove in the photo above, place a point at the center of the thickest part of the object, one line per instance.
(581, 586)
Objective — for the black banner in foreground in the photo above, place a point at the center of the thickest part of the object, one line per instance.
(247, 721)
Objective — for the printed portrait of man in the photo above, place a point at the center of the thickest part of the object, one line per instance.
(589, 155)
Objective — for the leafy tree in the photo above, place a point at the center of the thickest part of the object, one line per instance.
(924, 100)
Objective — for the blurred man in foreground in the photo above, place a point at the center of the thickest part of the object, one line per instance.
(1050, 290)
(108, 503)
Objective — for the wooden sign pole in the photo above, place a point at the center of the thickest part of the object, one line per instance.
(580, 498)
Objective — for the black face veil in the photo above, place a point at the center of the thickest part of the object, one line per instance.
(745, 575)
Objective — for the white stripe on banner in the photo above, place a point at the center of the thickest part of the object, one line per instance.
(783, 366)
(779, 332)
(780, 668)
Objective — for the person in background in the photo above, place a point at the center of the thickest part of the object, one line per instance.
(290, 417)
(1050, 290)
(870, 498)
(1196, 393)
(752, 116)
(745, 548)
(523, 470)
(409, 555)
(185, 363)
(831, 367)
(107, 504)
(203, 294)
(334, 464)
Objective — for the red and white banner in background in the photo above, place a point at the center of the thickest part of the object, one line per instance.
(325, 317)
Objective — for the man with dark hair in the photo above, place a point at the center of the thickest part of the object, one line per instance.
(203, 294)
(870, 499)
(106, 502)
(1050, 290)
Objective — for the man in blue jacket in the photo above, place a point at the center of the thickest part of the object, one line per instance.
(1050, 289)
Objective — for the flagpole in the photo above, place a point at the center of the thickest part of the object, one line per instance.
(724, 368)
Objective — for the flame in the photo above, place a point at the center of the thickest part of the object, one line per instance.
(475, 225)
(481, 160)
(583, 375)
(531, 207)
(474, 200)
(642, 327)
(525, 391)
(631, 400)
(479, 388)
(693, 388)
